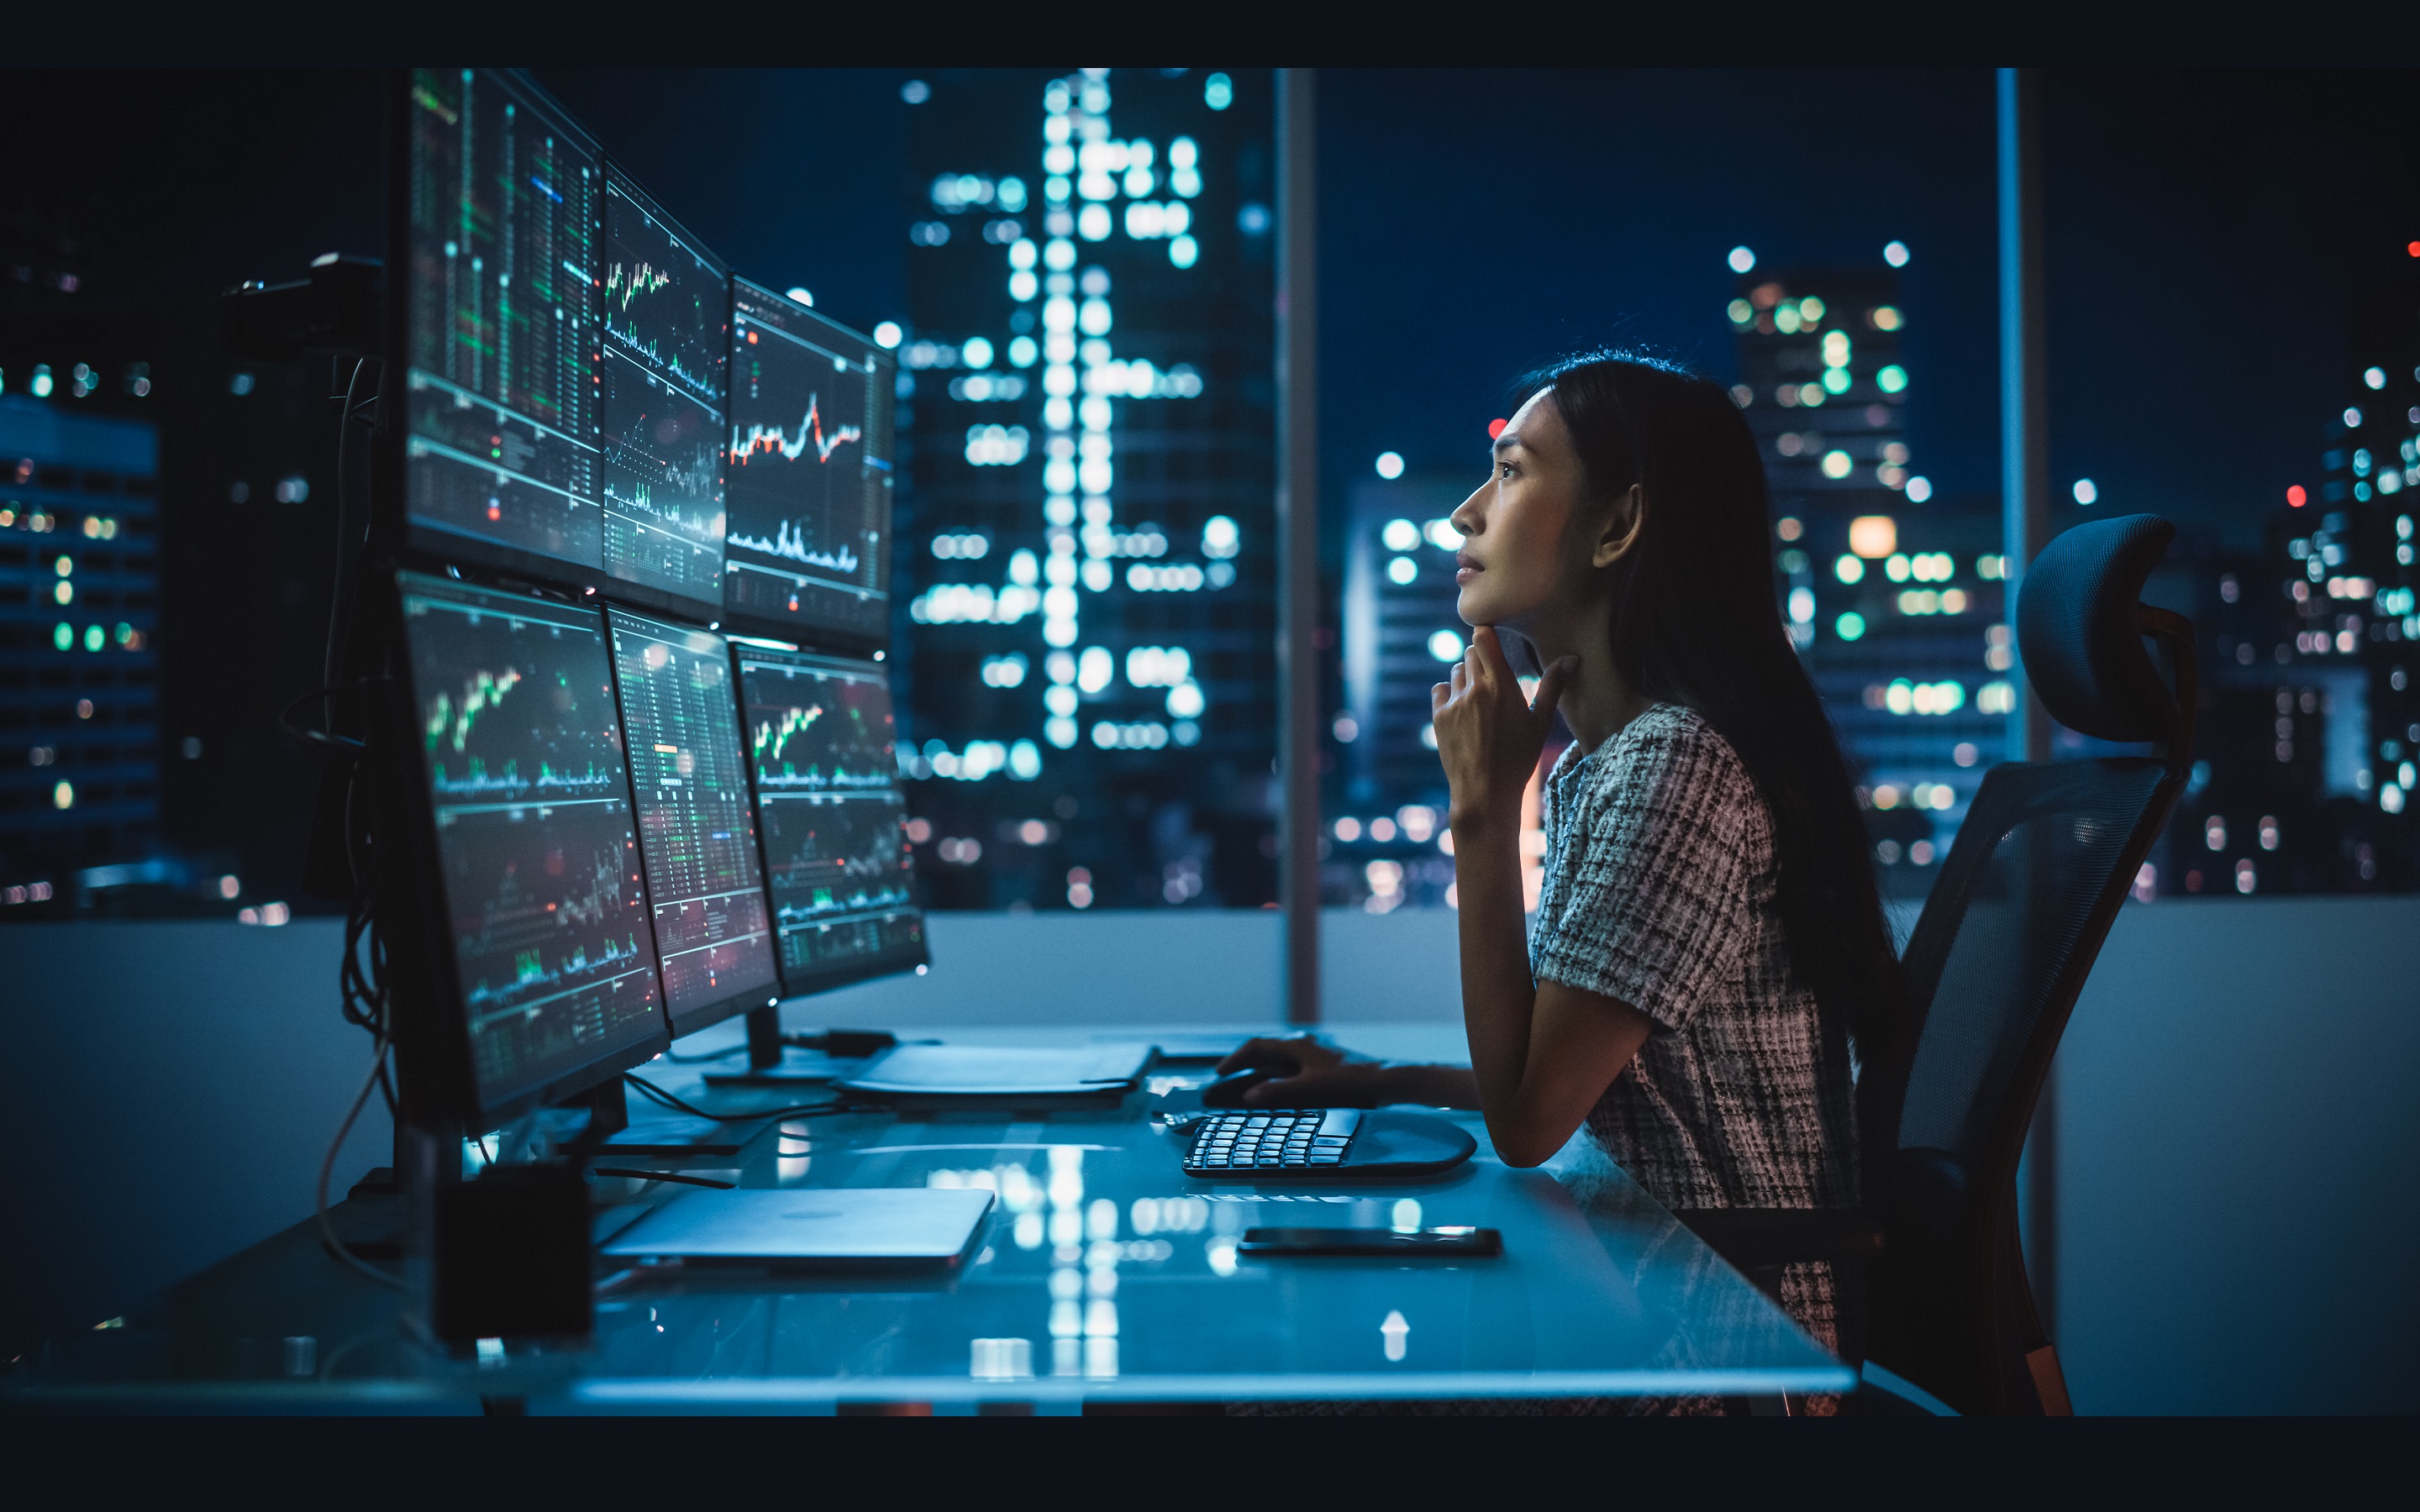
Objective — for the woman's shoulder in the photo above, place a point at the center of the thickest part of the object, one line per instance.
(1671, 752)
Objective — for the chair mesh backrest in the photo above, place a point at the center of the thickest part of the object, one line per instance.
(2028, 887)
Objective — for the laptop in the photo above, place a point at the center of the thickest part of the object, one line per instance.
(789, 1226)
(951, 1072)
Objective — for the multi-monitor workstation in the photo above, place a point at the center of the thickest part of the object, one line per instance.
(642, 519)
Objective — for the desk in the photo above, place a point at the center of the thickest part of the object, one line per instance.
(1104, 1274)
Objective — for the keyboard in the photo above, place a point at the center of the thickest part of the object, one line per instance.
(1308, 1141)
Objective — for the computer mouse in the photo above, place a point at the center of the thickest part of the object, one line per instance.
(1227, 1090)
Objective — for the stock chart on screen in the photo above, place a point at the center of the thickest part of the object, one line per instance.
(522, 751)
(502, 326)
(808, 474)
(666, 320)
(696, 834)
(819, 740)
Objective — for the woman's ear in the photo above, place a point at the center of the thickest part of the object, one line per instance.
(1622, 524)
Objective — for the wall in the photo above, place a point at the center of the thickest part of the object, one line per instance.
(2239, 1203)
(2237, 1196)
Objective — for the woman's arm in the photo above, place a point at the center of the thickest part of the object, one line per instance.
(1540, 1056)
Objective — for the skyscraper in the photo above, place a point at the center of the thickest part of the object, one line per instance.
(79, 617)
(1401, 634)
(1892, 593)
(1085, 548)
(2309, 724)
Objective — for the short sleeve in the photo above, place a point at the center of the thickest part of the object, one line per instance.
(1666, 847)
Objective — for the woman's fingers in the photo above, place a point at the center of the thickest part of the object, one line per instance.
(1487, 652)
(1551, 685)
(1265, 1052)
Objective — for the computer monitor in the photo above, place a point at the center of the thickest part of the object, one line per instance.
(551, 984)
(667, 325)
(697, 834)
(497, 230)
(807, 475)
(832, 820)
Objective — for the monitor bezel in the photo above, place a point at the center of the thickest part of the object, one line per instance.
(849, 974)
(429, 1018)
(884, 381)
(691, 1021)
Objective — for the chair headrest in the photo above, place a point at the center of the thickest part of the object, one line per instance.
(2076, 629)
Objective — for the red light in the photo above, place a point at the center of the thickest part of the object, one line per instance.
(2295, 495)
(1495, 429)
(2414, 248)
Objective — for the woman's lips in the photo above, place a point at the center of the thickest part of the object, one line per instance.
(1466, 568)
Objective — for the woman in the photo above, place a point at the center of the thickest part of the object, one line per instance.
(1709, 944)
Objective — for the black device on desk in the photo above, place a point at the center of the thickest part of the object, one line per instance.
(1446, 1241)
(1325, 1144)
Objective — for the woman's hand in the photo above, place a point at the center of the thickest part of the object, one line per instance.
(1488, 733)
(1311, 1074)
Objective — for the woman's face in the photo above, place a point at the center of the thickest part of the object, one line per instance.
(1526, 549)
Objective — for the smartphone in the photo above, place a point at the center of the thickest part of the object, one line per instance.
(1444, 1243)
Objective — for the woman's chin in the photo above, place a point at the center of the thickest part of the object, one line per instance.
(1477, 607)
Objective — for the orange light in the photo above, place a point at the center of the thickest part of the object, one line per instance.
(1873, 536)
(1495, 429)
(2296, 497)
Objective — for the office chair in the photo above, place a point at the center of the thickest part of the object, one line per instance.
(1930, 1273)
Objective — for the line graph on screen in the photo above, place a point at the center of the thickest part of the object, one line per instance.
(835, 854)
(791, 445)
(799, 461)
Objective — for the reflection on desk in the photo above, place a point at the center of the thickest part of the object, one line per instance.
(1106, 1274)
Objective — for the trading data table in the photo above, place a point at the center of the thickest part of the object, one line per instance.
(809, 475)
(667, 334)
(697, 836)
(500, 385)
(521, 747)
(819, 741)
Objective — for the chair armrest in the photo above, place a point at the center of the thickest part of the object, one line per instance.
(1756, 1238)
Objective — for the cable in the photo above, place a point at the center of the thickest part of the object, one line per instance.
(664, 1176)
(342, 745)
(709, 1055)
(663, 1098)
(350, 531)
(328, 1163)
(344, 522)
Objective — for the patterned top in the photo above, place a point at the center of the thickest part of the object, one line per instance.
(1659, 890)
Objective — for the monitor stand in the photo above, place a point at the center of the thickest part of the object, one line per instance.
(775, 1059)
(661, 1131)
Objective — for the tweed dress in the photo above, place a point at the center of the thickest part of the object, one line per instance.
(1660, 890)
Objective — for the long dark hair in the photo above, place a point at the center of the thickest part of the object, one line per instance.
(1696, 622)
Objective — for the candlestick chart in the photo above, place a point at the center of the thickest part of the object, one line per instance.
(521, 745)
(819, 729)
(833, 818)
(665, 353)
(666, 305)
(807, 470)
